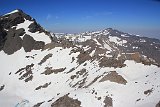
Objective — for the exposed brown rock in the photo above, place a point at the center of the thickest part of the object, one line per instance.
(49, 70)
(74, 50)
(136, 57)
(52, 45)
(82, 57)
(110, 62)
(100, 51)
(114, 77)
(66, 101)
(108, 102)
(65, 43)
(43, 86)
(26, 73)
(45, 59)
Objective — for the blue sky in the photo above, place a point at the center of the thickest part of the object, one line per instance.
(72, 16)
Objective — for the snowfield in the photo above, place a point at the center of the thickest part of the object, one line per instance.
(16, 90)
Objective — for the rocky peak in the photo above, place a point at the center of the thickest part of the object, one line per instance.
(17, 29)
(13, 18)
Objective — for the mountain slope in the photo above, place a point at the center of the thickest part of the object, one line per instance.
(92, 69)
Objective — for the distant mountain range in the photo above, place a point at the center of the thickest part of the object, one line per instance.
(106, 68)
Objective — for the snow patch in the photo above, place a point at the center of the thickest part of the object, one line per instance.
(15, 11)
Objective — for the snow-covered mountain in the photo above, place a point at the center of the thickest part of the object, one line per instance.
(105, 68)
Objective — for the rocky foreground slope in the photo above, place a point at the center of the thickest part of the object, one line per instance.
(106, 68)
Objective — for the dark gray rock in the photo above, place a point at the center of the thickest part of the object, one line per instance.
(3, 35)
(28, 43)
(158, 105)
(34, 27)
(7, 21)
(39, 45)
(20, 32)
(13, 43)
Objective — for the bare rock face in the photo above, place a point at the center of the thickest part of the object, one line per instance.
(43, 86)
(10, 38)
(45, 59)
(28, 43)
(19, 32)
(38, 45)
(13, 42)
(7, 21)
(158, 105)
(34, 27)
(49, 70)
(2, 37)
(26, 73)
(66, 101)
(108, 102)
(114, 77)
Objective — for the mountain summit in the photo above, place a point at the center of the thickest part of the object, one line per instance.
(20, 30)
(106, 68)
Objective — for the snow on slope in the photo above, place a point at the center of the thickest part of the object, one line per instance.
(37, 36)
(123, 95)
(117, 40)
